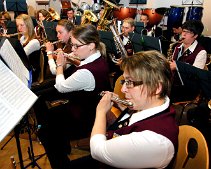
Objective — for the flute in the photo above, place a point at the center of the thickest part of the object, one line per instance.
(72, 59)
(118, 100)
(55, 42)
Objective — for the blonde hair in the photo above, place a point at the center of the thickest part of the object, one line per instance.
(30, 27)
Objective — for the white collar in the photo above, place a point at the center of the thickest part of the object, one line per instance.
(149, 112)
(191, 47)
(91, 58)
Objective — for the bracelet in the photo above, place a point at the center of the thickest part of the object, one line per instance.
(49, 53)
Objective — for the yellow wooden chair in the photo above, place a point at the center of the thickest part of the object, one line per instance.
(117, 90)
(192, 151)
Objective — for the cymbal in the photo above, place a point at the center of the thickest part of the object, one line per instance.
(161, 11)
(74, 4)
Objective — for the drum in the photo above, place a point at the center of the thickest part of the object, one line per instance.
(96, 7)
(65, 6)
(84, 6)
(124, 12)
(194, 13)
(175, 15)
(154, 17)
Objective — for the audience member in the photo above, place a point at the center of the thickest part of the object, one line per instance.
(146, 134)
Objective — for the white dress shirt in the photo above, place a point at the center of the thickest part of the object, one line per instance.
(32, 46)
(201, 58)
(145, 149)
(82, 79)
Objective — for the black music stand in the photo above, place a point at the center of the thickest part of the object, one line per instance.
(11, 27)
(50, 29)
(139, 26)
(138, 2)
(145, 43)
(107, 38)
(23, 122)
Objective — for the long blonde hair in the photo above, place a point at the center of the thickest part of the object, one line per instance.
(30, 27)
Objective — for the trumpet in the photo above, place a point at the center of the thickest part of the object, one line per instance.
(118, 100)
(70, 59)
(55, 42)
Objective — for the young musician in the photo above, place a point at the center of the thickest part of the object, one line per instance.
(30, 44)
(81, 85)
(63, 29)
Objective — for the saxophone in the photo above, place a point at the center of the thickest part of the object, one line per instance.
(170, 51)
(118, 42)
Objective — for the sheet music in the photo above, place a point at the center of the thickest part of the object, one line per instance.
(15, 100)
(12, 59)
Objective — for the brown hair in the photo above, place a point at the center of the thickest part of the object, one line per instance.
(152, 68)
(88, 33)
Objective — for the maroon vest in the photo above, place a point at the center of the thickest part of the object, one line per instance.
(82, 104)
(187, 57)
(163, 123)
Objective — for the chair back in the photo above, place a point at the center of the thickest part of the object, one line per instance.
(117, 90)
(192, 149)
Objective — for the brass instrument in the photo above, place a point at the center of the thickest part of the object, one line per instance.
(88, 17)
(55, 42)
(71, 59)
(209, 104)
(104, 22)
(119, 44)
(41, 33)
(208, 59)
(118, 100)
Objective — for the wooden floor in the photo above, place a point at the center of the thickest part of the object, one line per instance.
(10, 150)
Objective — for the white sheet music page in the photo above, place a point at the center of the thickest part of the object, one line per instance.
(15, 100)
(14, 62)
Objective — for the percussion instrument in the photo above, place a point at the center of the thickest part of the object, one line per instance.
(84, 6)
(154, 17)
(175, 15)
(65, 6)
(194, 13)
(96, 7)
(124, 12)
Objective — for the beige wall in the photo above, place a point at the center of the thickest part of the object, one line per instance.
(56, 4)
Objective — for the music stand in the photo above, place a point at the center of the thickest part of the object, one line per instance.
(50, 29)
(21, 117)
(139, 26)
(144, 43)
(136, 40)
(11, 27)
(107, 38)
(138, 1)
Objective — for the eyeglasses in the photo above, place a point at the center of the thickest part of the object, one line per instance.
(187, 31)
(76, 46)
(130, 83)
